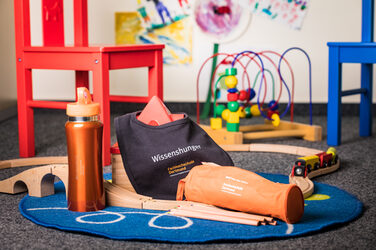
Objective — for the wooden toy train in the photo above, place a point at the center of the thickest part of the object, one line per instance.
(307, 164)
(311, 166)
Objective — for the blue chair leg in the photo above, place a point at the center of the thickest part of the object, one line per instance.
(334, 98)
(365, 117)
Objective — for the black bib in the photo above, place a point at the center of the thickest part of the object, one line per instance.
(156, 157)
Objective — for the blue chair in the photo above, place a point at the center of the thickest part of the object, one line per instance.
(363, 52)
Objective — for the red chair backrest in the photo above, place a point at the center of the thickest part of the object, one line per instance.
(52, 22)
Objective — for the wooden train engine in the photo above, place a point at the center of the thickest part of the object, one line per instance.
(307, 164)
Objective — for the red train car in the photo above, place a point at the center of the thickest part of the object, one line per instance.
(325, 159)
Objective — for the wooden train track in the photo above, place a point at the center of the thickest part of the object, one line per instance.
(39, 183)
(305, 183)
(33, 161)
(119, 176)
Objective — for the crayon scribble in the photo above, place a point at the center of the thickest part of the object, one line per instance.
(290, 12)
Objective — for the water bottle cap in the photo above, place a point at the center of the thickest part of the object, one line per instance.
(84, 105)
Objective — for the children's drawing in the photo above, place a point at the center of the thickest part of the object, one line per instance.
(156, 22)
(162, 9)
(290, 12)
(217, 18)
(223, 20)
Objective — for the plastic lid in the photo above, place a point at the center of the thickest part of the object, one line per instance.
(84, 106)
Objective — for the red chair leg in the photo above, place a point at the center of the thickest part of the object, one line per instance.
(156, 76)
(82, 79)
(25, 114)
(101, 94)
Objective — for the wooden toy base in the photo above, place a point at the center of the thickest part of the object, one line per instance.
(263, 131)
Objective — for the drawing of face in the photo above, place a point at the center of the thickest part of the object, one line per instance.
(218, 18)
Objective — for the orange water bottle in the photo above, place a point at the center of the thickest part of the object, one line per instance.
(84, 142)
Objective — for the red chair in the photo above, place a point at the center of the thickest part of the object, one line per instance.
(81, 58)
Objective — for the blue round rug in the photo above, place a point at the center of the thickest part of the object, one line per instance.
(328, 206)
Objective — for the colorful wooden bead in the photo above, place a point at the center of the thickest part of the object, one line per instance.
(243, 95)
(233, 90)
(225, 114)
(248, 113)
(231, 71)
(270, 113)
(232, 97)
(216, 123)
(231, 81)
(275, 119)
(233, 106)
(233, 117)
(255, 110)
(241, 112)
(251, 93)
(273, 105)
(219, 109)
(232, 127)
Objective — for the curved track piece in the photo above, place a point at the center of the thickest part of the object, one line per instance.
(271, 148)
(39, 181)
(121, 197)
(305, 184)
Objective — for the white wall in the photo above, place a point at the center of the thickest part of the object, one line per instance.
(335, 20)
(8, 86)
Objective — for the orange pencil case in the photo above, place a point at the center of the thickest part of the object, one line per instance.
(242, 190)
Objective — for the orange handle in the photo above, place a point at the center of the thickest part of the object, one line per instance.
(83, 96)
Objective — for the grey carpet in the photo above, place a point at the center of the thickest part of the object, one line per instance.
(356, 175)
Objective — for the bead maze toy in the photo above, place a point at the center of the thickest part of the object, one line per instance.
(240, 105)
